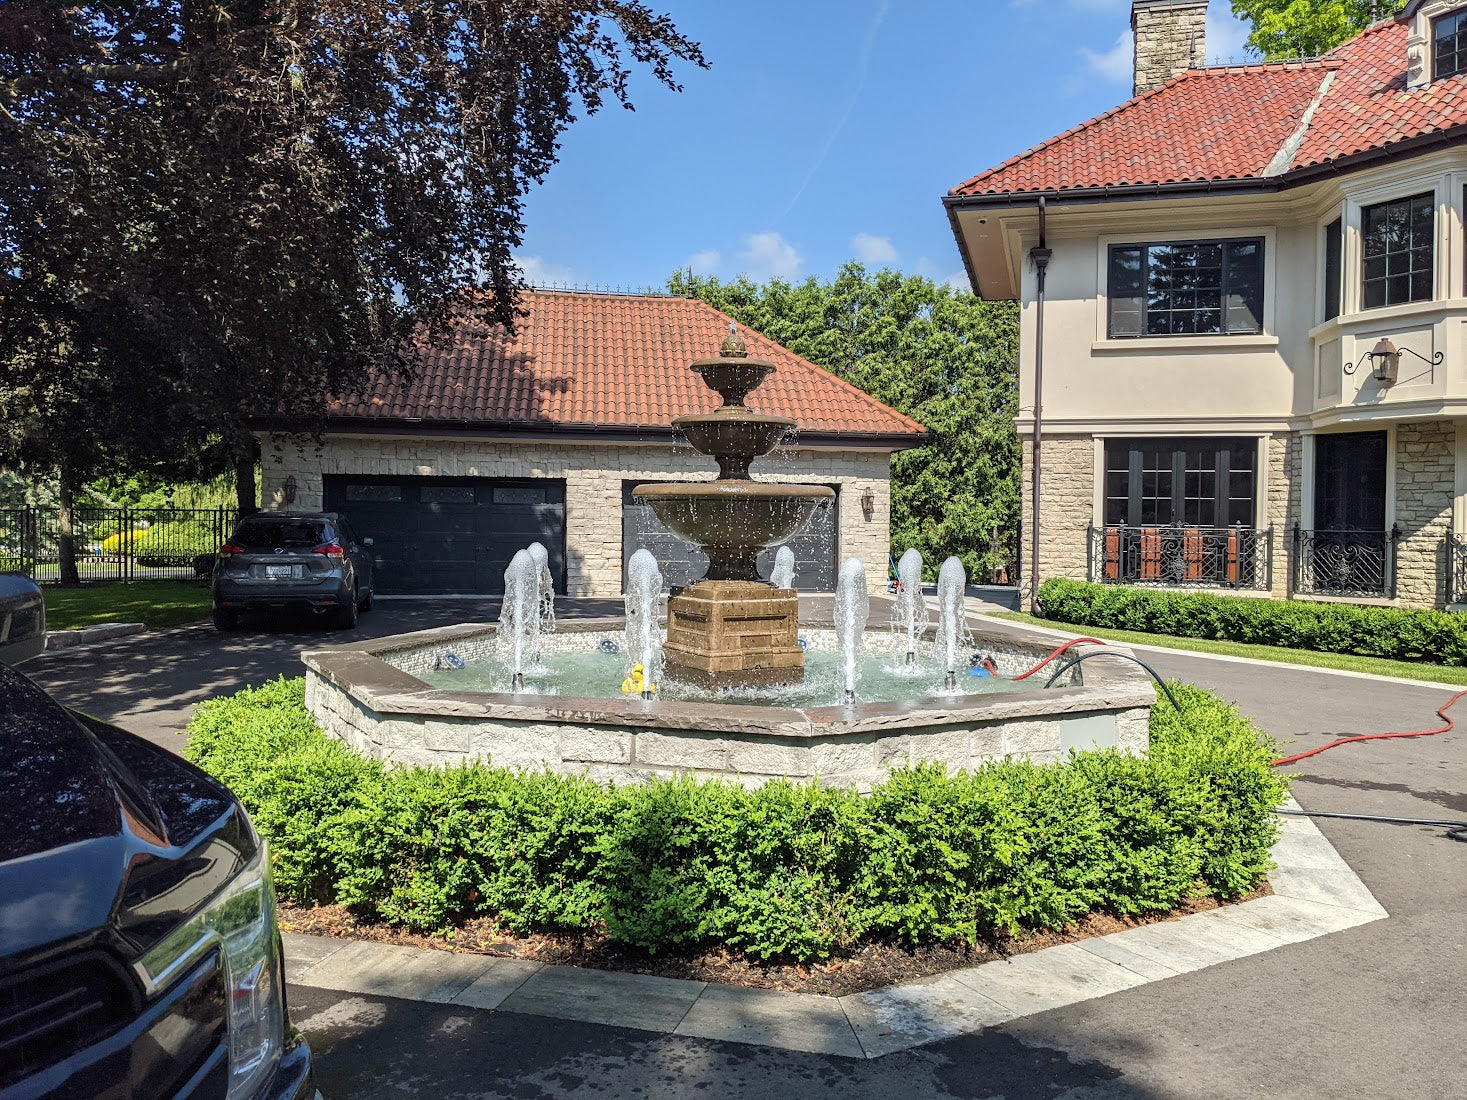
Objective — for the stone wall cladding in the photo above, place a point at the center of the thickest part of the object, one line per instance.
(1285, 487)
(1067, 492)
(1426, 462)
(1169, 38)
(593, 474)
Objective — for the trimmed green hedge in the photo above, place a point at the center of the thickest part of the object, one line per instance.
(1436, 637)
(787, 870)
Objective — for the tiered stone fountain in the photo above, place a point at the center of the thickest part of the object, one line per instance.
(732, 629)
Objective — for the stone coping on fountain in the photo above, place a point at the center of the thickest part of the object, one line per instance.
(360, 695)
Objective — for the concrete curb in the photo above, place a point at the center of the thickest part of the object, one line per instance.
(1315, 893)
(87, 635)
(1076, 632)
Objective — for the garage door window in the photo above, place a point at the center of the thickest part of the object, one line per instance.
(448, 494)
(381, 494)
(519, 494)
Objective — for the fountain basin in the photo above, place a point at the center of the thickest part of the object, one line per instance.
(733, 437)
(732, 521)
(372, 695)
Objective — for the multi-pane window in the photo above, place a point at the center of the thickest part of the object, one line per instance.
(1449, 45)
(1396, 248)
(1186, 288)
(1193, 482)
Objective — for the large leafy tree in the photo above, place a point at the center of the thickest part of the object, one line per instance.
(944, 358)
(1285, 29)
(218, 208)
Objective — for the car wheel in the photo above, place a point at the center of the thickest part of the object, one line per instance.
(346, 618)
(225, 619)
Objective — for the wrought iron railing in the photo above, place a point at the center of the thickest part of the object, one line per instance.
(1178, 556)
(1345, 563)
(1456, 569)
(115, 544)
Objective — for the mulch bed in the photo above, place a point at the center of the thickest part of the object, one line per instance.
(871, 966)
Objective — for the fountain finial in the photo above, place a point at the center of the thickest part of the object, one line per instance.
(733, 346)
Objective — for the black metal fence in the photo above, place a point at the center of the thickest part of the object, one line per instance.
(1456, 569)
(1345, 563)
(1178, 556)
(115, 544)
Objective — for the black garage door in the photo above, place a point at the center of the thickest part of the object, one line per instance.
(435, 535)
(682, 563)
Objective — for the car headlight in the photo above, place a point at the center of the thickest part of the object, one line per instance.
(238, 922)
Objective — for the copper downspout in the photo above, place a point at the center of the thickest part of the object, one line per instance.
(1040, 256)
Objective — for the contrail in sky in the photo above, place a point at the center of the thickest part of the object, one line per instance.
(862, 64)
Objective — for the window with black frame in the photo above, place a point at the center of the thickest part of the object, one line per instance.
(1397, 241)
(1449, 44)
(1186, 288)
(1181, 511)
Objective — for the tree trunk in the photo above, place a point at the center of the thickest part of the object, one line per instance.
(65, 530)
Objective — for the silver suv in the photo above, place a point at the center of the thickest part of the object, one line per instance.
(282, 561)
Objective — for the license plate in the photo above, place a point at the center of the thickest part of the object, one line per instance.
(276, 571)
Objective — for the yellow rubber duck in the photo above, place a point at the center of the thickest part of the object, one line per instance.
(632, 685)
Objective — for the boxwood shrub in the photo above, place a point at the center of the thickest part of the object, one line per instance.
(1438, 637)
(787, 870)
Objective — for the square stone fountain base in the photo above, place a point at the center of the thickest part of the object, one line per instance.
(726, 633)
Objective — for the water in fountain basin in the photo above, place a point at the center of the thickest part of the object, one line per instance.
(909, 609)
(783, 574)
(644, 635)
(518, 640)
(852, 610)
(952, 621)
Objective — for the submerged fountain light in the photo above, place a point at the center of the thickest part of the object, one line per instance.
(952, 586)
(909, 610)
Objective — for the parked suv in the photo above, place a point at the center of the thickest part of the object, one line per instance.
(139, 954)
(278, 561)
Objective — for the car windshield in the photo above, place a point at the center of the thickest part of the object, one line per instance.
(266, 534)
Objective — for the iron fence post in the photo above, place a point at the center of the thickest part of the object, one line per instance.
(1294, 562)
(1268, 561)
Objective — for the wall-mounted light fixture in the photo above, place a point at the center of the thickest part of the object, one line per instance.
(868, 502)
(1385, 361)
(288, 490)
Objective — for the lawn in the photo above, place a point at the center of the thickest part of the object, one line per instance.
(153, 603)
(1377, 666)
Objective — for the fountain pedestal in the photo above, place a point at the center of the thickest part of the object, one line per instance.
(734, 633)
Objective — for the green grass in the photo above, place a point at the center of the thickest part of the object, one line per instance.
(1350, 662)
(153, 603)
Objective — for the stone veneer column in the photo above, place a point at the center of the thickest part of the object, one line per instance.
(1426, 465)
(1170, 37)
(1285, 490)
(1066, 505)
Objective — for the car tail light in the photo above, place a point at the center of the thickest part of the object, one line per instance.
(330, 550)
(229, 549)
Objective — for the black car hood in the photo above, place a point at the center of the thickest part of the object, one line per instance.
(101, 834)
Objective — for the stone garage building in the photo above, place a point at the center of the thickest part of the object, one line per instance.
(498, 441)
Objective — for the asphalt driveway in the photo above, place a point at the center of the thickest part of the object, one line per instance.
(1374, 1011)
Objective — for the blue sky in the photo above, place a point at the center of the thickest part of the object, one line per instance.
(826, 130)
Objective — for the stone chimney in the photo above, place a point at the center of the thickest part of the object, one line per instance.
(1170, 38)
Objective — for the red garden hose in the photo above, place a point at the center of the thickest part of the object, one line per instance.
(1056, 653)
(1441, 713)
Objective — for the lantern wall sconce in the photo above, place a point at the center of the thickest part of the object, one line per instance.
(288, 490)
(1385, 361)
(868, 502)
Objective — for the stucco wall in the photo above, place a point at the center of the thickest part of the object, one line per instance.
(593, 492)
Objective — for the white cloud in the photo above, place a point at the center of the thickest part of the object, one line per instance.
(706, 262)
(539, 271)
(1227, 38)
(1116, 65)
(959, 281)
(770, 256)
(874, 251)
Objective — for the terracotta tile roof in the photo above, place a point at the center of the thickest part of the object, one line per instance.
(606, 361)
(1237, 123)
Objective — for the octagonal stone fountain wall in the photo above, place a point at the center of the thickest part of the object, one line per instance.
(367, 695)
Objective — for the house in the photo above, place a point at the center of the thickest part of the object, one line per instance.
(1244, 322)
(500, 440)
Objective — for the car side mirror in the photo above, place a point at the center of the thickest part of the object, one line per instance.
(366, 542)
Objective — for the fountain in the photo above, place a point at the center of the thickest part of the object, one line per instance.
(545, 587)
(783, 573)
(518, 637)
(909, 609)
(644, 635)
(952, 619)
(731, 629)
(852, 610)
